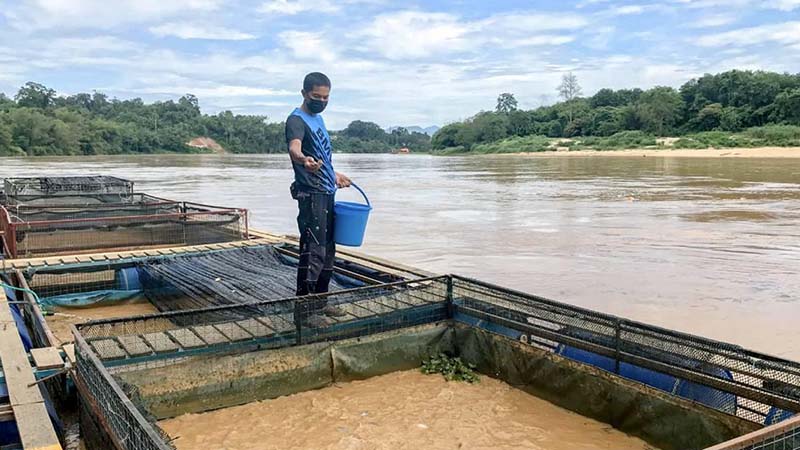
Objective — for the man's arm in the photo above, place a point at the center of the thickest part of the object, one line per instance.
(296, 153)
(295, 131)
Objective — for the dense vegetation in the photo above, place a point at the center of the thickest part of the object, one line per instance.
(368, 137)
(39, 122)
(736, 109)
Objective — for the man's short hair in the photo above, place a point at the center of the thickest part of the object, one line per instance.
(315, 79)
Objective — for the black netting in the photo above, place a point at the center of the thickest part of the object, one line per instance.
(123, 226)
(79, 200)
(226, 277)
(92, 184)
(110, 408)
(752, 386)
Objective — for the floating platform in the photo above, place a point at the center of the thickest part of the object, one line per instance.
(216, 325)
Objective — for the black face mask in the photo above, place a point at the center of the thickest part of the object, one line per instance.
(316, 106)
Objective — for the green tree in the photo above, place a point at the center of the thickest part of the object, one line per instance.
(659, 109)
(364, 130)
(605, 97)
(787, 107)
(7, 146)
(730, 119)
(709, 118)
(35, 95)
(506, 103)
(446, 136)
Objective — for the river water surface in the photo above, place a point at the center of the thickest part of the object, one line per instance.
(708, 246)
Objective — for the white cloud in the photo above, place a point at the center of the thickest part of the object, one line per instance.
(412, 34)
(308, 46)
(786, 33)
(291, 7)
(416, 34)
(104, 14)
(627, 10)
(532, 22)
(216, 91)
(785, 5)
(712, 21)
(535, 41)
(186, 30)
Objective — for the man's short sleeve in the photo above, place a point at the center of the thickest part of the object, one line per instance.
(295, 128)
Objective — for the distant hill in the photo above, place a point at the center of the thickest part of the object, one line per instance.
(427, 130)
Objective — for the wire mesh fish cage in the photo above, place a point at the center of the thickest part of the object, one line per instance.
(30, 231)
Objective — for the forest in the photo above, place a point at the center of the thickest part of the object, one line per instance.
(731, 109)
(38, 122)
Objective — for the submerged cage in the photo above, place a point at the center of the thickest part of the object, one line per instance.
(54, 186)
(674, 390)
(38, 230)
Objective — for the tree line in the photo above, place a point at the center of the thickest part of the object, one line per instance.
(38, 122)
(728, 102)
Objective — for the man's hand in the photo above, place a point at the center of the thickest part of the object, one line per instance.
(311, 164)
(342, 181)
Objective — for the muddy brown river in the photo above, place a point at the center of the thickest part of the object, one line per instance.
(709, 246)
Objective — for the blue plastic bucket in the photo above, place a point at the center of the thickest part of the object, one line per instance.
(350, 221)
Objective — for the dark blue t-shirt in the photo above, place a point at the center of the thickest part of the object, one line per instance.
(310, 129)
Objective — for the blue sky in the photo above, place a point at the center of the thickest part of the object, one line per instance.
(395, 63)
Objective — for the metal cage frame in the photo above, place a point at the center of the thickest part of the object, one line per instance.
(523, 317)
(13, 231)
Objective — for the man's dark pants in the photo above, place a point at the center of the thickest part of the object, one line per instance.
(317, 247)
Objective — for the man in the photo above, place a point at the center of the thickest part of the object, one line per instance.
(314, 188)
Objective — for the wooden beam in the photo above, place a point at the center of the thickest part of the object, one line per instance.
(34, 310)
(35, 428)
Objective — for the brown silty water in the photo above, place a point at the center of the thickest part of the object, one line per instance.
(401, 410)
(62, 318)
(704, 245)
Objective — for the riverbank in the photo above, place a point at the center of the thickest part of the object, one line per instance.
(758, 152)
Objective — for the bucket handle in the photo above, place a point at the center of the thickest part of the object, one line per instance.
(362, 193)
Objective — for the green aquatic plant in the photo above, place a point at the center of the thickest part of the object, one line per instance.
(451, 368)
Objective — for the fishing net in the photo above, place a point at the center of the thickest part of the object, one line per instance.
(31, 231)
(226, 277)
(93, 184)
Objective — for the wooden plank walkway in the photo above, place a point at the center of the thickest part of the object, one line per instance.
(35, 428)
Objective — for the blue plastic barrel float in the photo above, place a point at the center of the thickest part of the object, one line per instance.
(350, 221)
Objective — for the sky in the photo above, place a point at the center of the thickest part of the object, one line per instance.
(394, 63)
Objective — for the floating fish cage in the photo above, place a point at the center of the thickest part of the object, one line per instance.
(73, 185)
(673, 390)
(40, 230)
(79, 200)
(142, 282)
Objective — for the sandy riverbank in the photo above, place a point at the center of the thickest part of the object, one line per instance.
(759, 152)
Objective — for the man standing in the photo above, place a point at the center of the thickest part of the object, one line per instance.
(314, 188)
